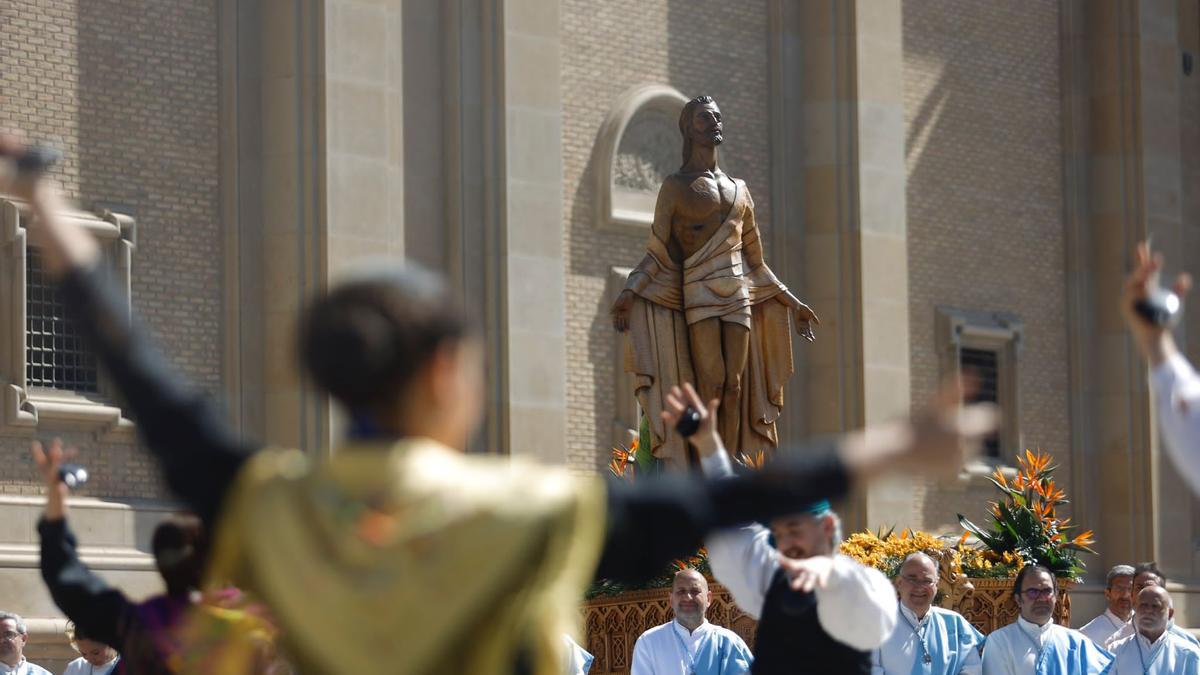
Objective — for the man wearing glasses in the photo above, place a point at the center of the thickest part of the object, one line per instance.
(927, 640)
(1034, 643)
(13, 636)
(1118, 591)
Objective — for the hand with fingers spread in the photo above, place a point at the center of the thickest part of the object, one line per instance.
(679, 399)
(807, 574)
(938, 440)
(1155, 341)
(49, 461)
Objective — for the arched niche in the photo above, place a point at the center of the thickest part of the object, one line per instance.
(638, 145)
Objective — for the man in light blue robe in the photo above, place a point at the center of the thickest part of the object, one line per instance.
(927, 640)
(689, 644)
(1155, 649)
(1034, 644)
(1147, 574)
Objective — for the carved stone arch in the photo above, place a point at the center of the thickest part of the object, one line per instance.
(638, 145)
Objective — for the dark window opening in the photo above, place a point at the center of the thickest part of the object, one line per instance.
(56, 354)
(984, 364)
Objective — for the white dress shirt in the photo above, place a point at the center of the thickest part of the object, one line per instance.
(1168, 655)
(949, 656)
(1177, 398)
(1128, 630)
(660, 650)
(857, 607)
(1014, 649)
(23, 668)
(1101, 629)
(578, 662)
(80, 666)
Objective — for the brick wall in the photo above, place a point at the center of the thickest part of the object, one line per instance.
(708, 46)
(128, 88)
(985, 202)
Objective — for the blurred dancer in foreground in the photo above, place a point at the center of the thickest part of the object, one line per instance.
(399, 554)
(168, 633)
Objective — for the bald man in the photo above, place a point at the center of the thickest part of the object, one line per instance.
(927, 639)
(1147, 574)
(1155, 649)
(690, 645)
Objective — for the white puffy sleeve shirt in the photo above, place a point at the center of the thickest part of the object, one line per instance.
(857, 607)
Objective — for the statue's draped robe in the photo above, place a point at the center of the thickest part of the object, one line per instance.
(728, 279)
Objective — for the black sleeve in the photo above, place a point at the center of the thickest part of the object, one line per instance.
(84, 597)
(662, 518)
(199, 453)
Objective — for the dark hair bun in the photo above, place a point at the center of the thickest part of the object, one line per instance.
(366, 340)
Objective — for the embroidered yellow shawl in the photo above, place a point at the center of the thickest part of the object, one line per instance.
(413, 558)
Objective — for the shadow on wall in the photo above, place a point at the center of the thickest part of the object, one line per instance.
(983, 151)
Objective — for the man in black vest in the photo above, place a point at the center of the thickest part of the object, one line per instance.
(819, 612)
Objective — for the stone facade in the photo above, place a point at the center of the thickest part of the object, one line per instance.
(129, 91)
(984, 157)
(904, 155)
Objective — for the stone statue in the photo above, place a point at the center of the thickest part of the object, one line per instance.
(703, 307)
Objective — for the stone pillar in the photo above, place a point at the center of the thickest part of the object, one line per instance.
(533, 315)
(1123, 183)
(854, 227)
(327, 107)
(273, 193)
(1124, 177)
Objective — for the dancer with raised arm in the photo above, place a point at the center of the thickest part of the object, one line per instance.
(398, 553)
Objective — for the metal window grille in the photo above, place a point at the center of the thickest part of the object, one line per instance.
(56, 354)
(984, 363)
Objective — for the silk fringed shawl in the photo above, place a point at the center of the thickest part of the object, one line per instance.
(727, 279)
(413, 558)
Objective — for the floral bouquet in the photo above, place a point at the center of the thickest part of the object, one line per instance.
(1024, 526)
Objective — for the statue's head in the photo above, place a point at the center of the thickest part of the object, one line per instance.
(700, 124)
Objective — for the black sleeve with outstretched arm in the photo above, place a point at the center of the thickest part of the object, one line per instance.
(84, 597)
(659, 519)
(200, 454)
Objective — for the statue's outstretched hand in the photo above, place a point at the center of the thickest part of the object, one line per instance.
(679, 399)
(620, 310)
(804, 316)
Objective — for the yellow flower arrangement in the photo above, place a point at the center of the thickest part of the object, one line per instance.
(885, 551)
